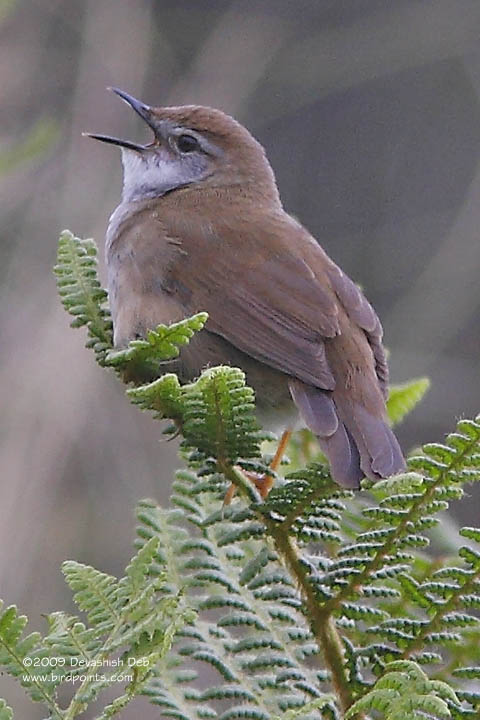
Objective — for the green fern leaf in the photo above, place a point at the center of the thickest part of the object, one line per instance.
(218, 417)
(136, 613)
(144, 357)
(253, 636)
(71, 643)
(215, 414)
(403, 398)
(327, 700)
(96, 593)
(137, 570)
(18, 653)
(471, 673)
(6, 712)
(81, 293)
(405, 692)
(164, 397)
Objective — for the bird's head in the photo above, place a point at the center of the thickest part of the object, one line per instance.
(192, 146)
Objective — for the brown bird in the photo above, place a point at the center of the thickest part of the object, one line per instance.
(201, 227)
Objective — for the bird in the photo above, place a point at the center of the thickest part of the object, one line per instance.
(201, 227)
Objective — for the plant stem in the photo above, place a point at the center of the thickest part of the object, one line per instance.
(321, 623)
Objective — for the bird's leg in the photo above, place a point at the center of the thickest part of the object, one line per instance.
(264, 482)
(229, 495)
(282, 446)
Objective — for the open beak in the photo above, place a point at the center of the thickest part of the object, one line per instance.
(145, 112)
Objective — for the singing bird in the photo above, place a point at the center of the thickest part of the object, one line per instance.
(201, 227)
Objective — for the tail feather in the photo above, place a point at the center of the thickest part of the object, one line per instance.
(316, 408)
(343, 457)
(355, 442)
(381, 456)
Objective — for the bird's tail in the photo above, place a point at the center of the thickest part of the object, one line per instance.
(356, 442)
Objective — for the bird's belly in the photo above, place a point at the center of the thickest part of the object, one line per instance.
(275, 409)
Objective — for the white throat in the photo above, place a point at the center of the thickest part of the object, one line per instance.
(149, 175)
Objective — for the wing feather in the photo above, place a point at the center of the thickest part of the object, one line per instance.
(270, 290)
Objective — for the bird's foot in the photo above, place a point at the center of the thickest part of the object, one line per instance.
(262, 481)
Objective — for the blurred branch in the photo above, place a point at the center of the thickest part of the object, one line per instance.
(40, 138)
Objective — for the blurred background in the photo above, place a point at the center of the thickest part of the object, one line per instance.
(370, 115)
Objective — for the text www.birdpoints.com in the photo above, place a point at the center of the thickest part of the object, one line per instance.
(76, 670)
(68, 677)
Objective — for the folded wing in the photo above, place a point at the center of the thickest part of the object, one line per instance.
(285, 303)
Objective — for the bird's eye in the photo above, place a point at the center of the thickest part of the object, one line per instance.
(187, 143)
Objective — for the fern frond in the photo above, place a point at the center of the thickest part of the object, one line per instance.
(144, 357)
(380, 566)
(259, 632)
(215, 414)
(95, 593)
(402, 398)
(309, 505)
(6, 712)
(81, 293)
(326, 701)
(136, 614)
(69, 639)
(408, 504)
(405, 692)
(218, 416)
(163, 397)
(18, 653)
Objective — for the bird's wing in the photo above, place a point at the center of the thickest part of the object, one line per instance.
(361, 314)
(273, 294)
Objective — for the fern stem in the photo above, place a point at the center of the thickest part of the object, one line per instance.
(321, 622)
